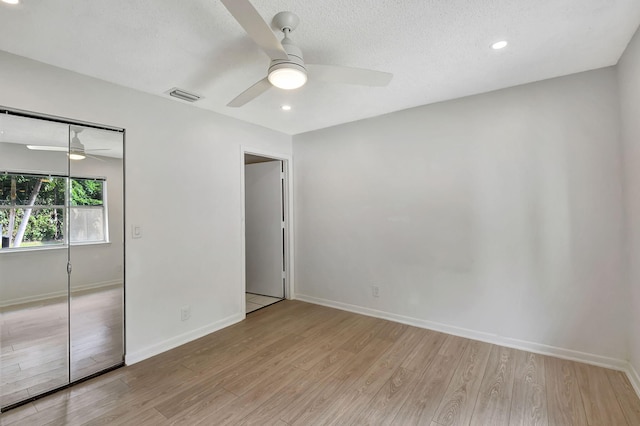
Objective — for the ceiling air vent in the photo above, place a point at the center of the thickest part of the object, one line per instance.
(184, 95)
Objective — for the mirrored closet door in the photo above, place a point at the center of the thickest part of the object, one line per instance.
(62, 254)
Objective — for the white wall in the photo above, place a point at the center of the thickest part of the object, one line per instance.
(183, 169)
(628, 73)
(498, 213)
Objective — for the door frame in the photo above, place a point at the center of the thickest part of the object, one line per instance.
(287, 161)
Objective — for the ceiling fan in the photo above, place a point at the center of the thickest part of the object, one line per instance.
(287, 69)
(75, 149)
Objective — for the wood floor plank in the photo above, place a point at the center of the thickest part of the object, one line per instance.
(345, 408)
(493, 405)
(146, 417)
(234, 411)
(370, 329)
(330, 321)
(317, 399)
(243, 379)
(428, 346)
(143, 379)
(629, 401)
(432, 384)
(459, 399)
(190, 393)
(529, 405)
(269, 412)
(297, 363)
(385, 404)
(189, 401)
(563, 395)
(146, 395)
(296, 323)
(225, 354)
(321, 346)
(391, 331)
(598, 397)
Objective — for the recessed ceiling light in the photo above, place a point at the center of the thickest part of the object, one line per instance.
(499, 45)
(286, 107)
(11, 1)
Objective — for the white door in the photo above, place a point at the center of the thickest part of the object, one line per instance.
(264, 229)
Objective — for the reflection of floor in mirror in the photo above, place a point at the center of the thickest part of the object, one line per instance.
(34, 341)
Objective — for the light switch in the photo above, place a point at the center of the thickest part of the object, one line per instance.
(136, 231)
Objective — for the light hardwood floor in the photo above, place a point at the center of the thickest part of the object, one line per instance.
(295, 363)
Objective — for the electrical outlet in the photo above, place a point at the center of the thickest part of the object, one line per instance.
(375, 291)
(185, 313)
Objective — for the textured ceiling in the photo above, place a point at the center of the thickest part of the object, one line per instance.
(436, 49)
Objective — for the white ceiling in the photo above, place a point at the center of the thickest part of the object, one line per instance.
(436, 49)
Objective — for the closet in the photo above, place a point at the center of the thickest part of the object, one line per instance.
(62, 253)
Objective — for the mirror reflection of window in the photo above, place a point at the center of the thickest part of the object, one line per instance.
(32, 212)
(88, 211)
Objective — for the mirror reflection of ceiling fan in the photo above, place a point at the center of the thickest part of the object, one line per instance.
(288, 69)
(75, 150)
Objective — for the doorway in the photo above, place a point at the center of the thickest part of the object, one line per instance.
(266, 231)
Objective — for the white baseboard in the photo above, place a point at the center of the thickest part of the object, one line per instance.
(634, 378)
(158, 348)
(569, 354)
(56, 294)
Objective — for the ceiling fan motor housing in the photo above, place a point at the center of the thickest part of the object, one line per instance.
(287, 22)
(296, 60)
(288, 73)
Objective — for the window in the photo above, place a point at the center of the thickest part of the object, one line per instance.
(33, 213)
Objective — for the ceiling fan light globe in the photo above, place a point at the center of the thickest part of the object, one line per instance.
(77, 156)
(287, 78)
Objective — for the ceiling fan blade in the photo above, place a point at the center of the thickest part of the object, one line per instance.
(249, 18)
(251, 93)
(338, 74)
(95, 158)
(48, 148)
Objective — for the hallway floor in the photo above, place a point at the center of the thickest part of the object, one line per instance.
(253, 302)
